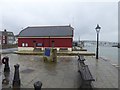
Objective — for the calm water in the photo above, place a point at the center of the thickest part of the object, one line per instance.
(110, 53)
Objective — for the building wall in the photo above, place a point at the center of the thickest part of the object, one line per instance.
(31, 48)
(46, 42)
(7, 37)
(4, 39)
(10, 38)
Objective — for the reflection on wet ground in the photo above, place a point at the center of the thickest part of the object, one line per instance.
(60, 74)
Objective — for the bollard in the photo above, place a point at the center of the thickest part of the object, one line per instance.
(37, 85)
(16, 80)
(6, 80)
(5, 61)
(78, 56)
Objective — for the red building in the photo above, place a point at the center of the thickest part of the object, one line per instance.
(46, 37)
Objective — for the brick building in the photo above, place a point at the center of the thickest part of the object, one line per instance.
(6, 37)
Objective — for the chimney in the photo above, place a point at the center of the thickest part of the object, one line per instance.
(5, 30)
(69, 25)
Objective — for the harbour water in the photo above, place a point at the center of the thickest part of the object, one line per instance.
(108, 53)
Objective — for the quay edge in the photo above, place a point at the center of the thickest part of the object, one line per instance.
(73, 53)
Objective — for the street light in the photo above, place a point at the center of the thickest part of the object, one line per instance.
(97, 30)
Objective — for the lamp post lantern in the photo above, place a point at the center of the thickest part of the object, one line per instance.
(97, 30)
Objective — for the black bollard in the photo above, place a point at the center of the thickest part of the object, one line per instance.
(5, 61)
(6, 79)
(78, 56)
(37, 85)
(16, 80)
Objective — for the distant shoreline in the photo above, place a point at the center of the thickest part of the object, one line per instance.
(116, 46)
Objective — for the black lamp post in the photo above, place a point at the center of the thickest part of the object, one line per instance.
(97, 30)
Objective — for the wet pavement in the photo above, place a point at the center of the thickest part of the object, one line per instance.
(7, 51)
(105, 74)
(60, 74)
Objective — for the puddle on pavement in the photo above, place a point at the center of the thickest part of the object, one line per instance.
(27, 71)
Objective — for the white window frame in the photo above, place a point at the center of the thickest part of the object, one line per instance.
(23, 44)
(3, 41)
(10, 42)
(3, 37)
(26, 44)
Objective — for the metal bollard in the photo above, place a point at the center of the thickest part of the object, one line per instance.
(6, 80)
(78, 57)
(37, 85)
(5, 61)
(16, 80)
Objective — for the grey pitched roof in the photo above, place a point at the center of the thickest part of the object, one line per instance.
(46, 31)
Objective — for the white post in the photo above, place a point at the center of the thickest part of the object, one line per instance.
(58, 49)
(69, 49)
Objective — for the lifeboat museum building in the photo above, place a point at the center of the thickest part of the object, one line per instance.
(59, 37)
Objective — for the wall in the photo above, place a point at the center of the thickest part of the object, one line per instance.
(46, 42)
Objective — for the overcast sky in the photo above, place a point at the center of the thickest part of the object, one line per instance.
(83, 16)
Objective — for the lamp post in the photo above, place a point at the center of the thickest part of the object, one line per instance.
(97, 30)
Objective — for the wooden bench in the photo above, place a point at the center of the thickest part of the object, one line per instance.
(81, 60)
(86, 77)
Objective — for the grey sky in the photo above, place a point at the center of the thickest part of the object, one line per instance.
(83, 16)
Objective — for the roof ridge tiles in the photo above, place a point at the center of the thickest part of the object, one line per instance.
(48, 26)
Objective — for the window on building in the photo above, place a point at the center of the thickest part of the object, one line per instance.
(10, 42)
(3, 41)
(10, 37)
(10, 33)
(26, 45)
(23, 44)
(39, 44)
(3, 37)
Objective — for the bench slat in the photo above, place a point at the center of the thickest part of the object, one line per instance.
(81, 58)
(85, 72)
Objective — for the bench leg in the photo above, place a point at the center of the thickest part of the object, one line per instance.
(86, 84)
(79, 66)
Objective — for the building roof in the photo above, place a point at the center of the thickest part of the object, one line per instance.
(5, 32)
(43, 31)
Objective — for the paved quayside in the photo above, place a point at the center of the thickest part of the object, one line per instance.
(63, 73)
